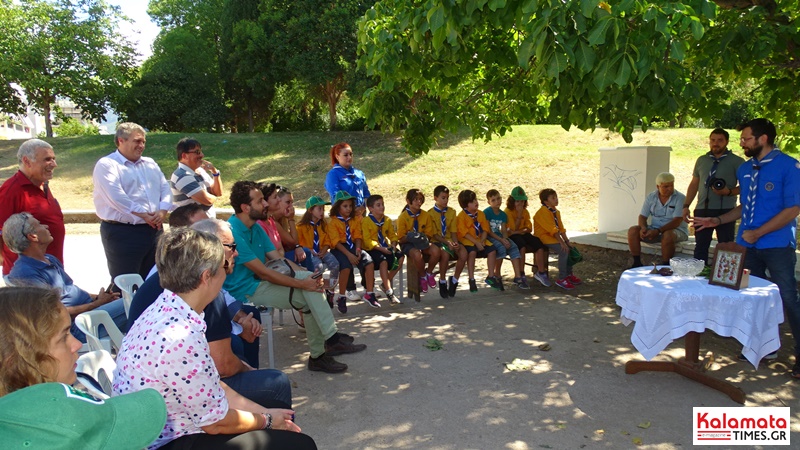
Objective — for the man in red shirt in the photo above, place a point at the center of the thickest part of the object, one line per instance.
(28, 191)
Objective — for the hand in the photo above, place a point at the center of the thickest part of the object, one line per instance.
(479, 246)
(299, 254)
(107, 297)
(453, 244)
(251, 328)
(312, 284)
(360, 211)
(282, 419)
(290, 212)
(701, 223)
(687, 217)
(505, 243)
(384, 250)
(565, 246)
(208, 167)
(750, 236)
(352, 258)
(358, 252)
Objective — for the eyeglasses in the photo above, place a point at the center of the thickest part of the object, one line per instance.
(196, 152)
(230, 246)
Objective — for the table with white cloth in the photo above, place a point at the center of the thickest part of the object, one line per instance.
(666, 308)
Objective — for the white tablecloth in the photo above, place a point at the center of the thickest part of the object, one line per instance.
(666, 308)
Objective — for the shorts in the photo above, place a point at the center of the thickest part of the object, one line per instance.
(680, 236)
(344, 263)
(487, 249)
(527, 241)
(379, 257)
(407, 247)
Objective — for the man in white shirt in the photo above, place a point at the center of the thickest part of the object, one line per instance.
(131, 198)
(195, 180)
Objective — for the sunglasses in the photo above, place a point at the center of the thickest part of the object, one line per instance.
(230, 246)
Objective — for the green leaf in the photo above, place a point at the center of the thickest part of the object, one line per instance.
(598, 34)
(623, 74)
(661, 24)
(709, 9)
(494, 5)
(585, 56)
(588, 7)
(557, 64)
(530, 6)
(436, 17)
(603, 76)
(524, 53)
(697, 28)
(676, 49)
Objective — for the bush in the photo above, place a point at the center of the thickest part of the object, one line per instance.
(71, 127)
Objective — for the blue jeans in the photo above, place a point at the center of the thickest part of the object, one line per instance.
(269, 388)
(307, 263)
(502, 251)
(780, 263)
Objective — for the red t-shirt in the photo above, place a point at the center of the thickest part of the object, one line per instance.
(18, 195)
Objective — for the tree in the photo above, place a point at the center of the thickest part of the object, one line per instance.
(490, 64)
(178, 88)
(65, 48)
(316, 42)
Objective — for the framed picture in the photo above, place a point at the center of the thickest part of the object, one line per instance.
(728, 265)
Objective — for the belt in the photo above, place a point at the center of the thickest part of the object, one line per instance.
(114, 222)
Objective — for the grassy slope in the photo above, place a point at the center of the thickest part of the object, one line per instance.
(534, 157)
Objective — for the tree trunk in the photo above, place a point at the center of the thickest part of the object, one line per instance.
(332, 95)
(251, 123)
(48, 123)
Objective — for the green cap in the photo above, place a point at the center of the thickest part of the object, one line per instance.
(314, 201)
(56, 416)
(518, 194)
(342, 195)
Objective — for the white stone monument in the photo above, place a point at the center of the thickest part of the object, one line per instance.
(627, 175)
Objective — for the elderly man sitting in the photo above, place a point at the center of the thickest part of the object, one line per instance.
(664, 208)
(24, 235)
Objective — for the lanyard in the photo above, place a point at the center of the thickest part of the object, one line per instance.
(381, 240)
(443, 213)
(347, 234)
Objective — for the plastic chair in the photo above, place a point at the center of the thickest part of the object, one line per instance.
(90, 322)
(128, 283)
(95, 372)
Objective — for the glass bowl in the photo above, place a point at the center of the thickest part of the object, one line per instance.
(686, 267)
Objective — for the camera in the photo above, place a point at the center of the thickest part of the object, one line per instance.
(717, 183)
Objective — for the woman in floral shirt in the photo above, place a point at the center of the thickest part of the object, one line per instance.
(166, 350)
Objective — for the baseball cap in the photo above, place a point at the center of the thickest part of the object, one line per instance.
(518, 194)
(314, 201)
(341, 195)
(57, 416)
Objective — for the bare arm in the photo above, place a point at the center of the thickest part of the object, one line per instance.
(691, 192)
(204, 198)
(227, 363)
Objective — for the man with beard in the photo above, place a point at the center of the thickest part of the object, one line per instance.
(717, 195)
(254, 281)
(769, 205)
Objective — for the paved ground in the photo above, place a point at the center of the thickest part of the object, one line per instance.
(399, 394)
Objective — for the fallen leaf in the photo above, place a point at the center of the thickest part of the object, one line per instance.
(433, 344)
(600, 431)
(637, 441)
(544, 347)
(626, 433)
(644, 425)
(561, 426)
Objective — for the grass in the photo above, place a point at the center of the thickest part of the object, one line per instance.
(534, 157)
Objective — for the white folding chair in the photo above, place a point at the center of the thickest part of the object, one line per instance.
(128, 283)
(266, 323)
(90, 322)
(96, 372)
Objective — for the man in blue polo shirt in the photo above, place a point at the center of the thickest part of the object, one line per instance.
(769, 205)
(663, 208)
(253, 281)
(29, 238)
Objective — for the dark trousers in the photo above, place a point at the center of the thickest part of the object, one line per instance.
(254, 440)
(702, 239)
(129, 248)
(269, 388)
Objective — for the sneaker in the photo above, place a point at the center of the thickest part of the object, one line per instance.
(473, 287)
(341, 304)
(327, 364)
(390, 296)
(346, 338)
(353, 296)
(500, 283)
(423, 284)
(521, 283)
(494, 282)
(769, 357)
(329, 297)
(543, 278)
(452, 286)
(431, 281)
(443, 288)
(342, 347)
(574, 280)
(371, 300)
(564, 283)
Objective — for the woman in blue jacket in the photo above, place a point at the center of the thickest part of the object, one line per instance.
(344, 177)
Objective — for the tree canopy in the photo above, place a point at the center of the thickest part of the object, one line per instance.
(63, 48)
(490, 64)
